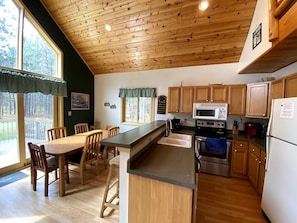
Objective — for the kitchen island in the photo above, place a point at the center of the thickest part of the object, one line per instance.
(168, 170)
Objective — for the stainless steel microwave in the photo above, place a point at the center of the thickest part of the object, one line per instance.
(210, 111)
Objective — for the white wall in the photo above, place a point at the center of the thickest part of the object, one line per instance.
(261, 16)
(107, 86)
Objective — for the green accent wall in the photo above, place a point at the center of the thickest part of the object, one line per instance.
(78, 76)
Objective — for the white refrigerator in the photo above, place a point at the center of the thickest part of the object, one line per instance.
(279, 199)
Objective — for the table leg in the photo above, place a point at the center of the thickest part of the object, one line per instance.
(62, 174)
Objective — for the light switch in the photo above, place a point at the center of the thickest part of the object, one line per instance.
(69, 113)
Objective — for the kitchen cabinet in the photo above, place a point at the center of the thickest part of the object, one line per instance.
(211, 93)
(256, 167)
(236, 99)
(180, 99)
(239, 162)
(253, 165)
(291, 86)
(261, 172)
(257, 100)
(156, 201)
(277, 89)
(284, 87)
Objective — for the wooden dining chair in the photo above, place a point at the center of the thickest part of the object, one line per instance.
(112, 131)
(89, 155)
(39, 162)
(81, 128)
(56, 133)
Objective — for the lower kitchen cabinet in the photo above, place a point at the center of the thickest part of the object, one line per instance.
(261, 172)
(254, 164)
(156, 201)
(239, 162)
(256, 167)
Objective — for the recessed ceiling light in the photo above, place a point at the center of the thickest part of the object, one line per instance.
(107, 27)
(203, 5)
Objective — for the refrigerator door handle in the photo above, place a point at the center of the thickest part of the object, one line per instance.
(268, 132)
(267, 152)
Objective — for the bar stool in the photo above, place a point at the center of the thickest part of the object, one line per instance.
(114, 164)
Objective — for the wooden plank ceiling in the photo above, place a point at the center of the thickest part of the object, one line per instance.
(153, 34)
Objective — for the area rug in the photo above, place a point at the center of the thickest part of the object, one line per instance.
(12, 178)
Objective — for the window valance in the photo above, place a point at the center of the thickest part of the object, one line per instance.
(138, 92)
(21, 82)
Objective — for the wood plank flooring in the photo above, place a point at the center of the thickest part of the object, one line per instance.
(220, 200)
(82, 203)
(232, 200)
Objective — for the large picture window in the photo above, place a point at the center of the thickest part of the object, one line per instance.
(25, 117)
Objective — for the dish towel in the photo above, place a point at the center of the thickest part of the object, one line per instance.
(216, 145)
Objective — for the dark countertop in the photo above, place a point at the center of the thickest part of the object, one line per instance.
(175, 165)
(260, 142)
(132, 137)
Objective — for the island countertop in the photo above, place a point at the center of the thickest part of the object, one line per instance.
(175, 165)
(132, 137)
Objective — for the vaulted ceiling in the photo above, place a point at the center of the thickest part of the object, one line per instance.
(153, 34)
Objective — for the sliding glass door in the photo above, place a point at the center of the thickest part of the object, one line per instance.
(9, 146)
(38, 117)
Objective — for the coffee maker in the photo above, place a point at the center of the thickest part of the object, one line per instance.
(175, 123)
(251, 129)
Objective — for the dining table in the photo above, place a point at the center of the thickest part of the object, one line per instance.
(66, 146)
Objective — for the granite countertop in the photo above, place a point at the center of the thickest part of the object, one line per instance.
(175, 165)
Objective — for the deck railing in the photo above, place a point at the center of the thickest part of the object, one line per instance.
(34, 128)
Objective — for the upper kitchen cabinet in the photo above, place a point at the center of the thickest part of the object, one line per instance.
(180, 99)
(284, 87)
(291, 85)
(236, 99)
(257, 100)
(211, 93)
(277, 88)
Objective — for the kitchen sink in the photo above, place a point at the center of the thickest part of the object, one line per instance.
(179, 140)
(180, 136)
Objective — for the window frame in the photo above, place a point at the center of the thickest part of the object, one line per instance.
(138, 123)
(58, 101)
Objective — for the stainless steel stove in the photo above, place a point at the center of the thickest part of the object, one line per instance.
(213, 147)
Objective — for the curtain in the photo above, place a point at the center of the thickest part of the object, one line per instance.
(21, 82)
(138, 92)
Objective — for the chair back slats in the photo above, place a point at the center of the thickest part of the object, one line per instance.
(113, 131)
(81, 128)
(91, 148)
(56, 133)
(38, 157)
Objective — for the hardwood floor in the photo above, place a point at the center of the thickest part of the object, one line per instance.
(82, 203)
(231, 200)
(220, 200)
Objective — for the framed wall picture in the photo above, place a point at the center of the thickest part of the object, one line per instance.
(257, 36)
(80, 101)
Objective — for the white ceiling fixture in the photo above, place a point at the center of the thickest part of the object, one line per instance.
(107, 27)
(203, 5)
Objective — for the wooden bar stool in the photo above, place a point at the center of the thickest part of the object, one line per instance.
(114, 166)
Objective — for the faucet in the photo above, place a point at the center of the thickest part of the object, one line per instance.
(168, 128)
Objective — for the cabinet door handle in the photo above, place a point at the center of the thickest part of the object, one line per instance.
(240, 144)
(235, 150)
(253, 150)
